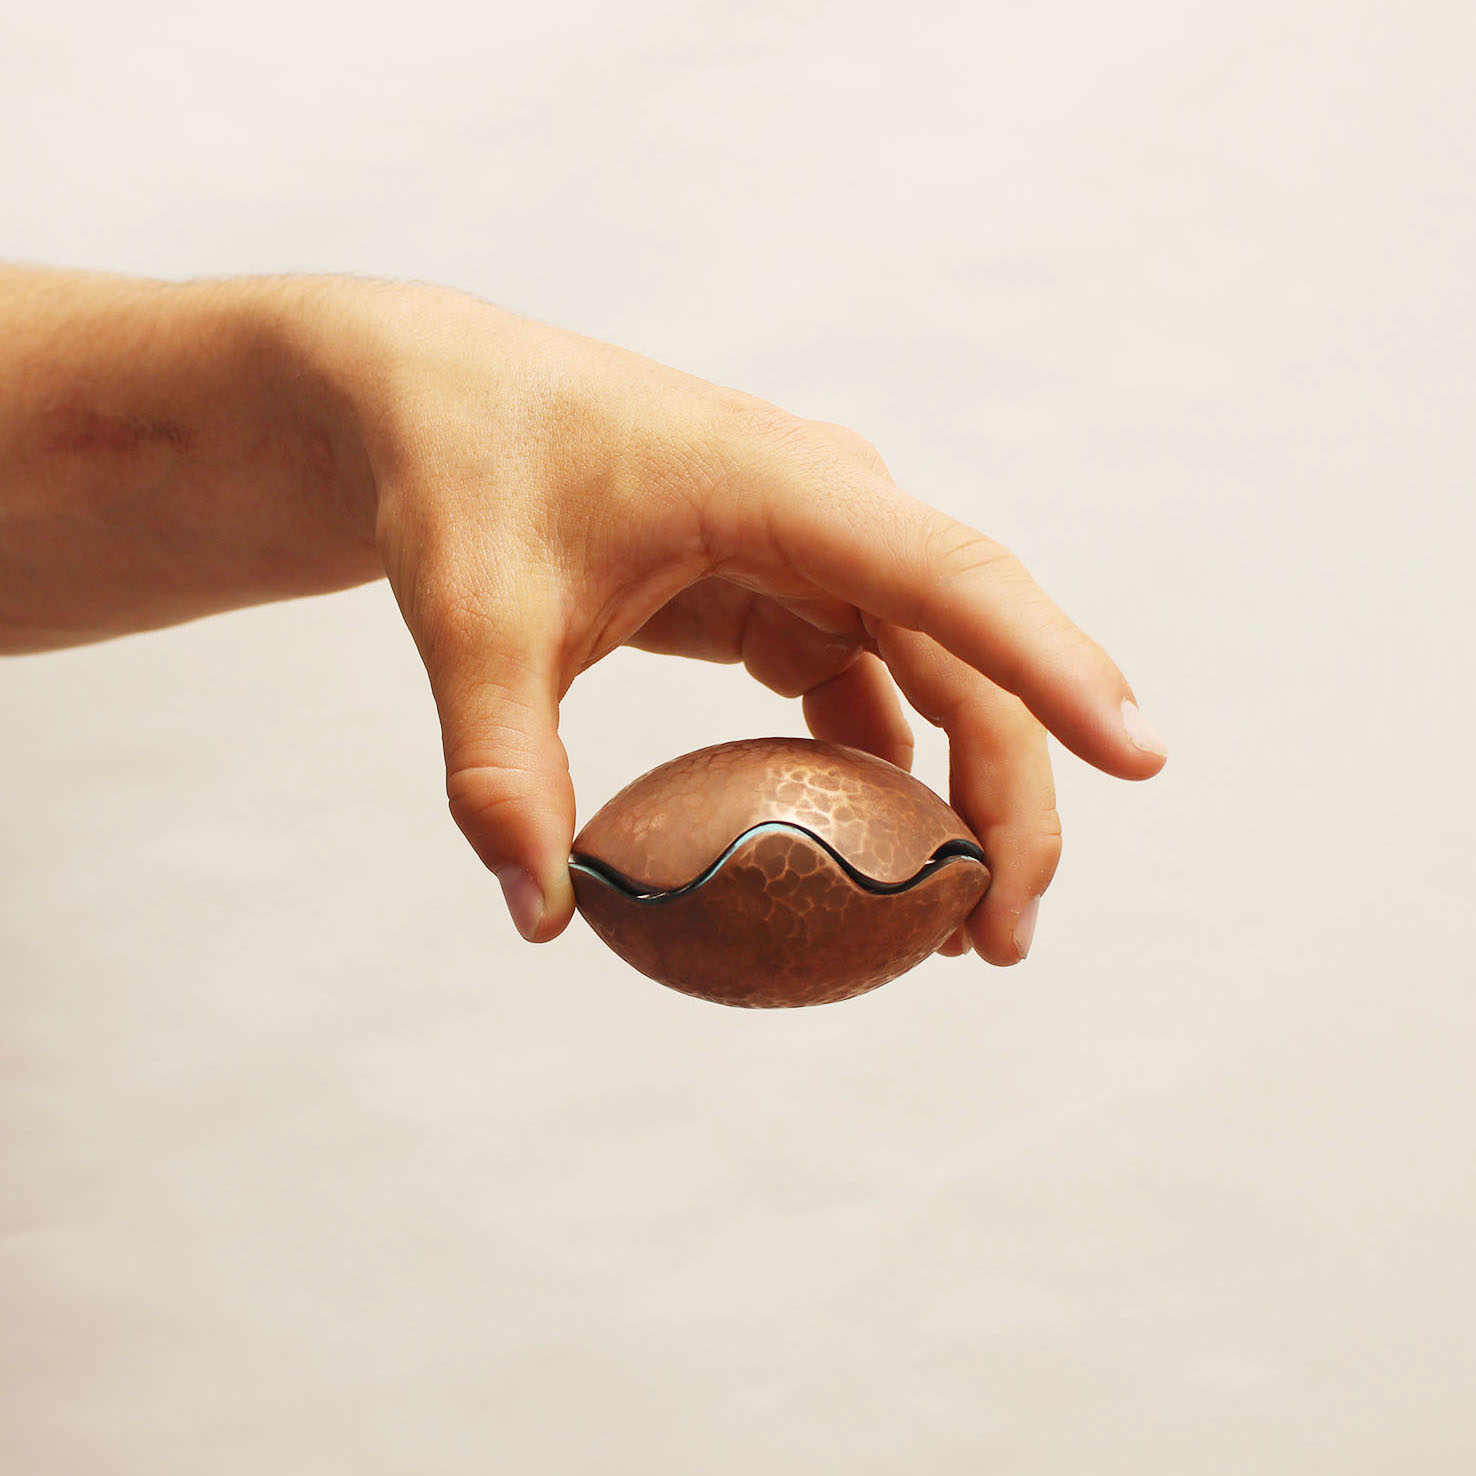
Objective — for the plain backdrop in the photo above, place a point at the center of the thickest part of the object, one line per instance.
(309, 1166)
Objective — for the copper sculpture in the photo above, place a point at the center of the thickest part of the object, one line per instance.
(776, 872)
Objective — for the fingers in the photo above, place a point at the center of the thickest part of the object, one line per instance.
(848, 695)
(859, 707)
(788, 654)
(1000, 782)
(957, 945)
(798, 503)
(713, 620)
(494, 672)
(704, 622)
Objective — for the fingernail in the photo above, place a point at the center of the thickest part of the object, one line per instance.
(842, 648)
(1025, 926)
(524, 900)
(1142, 733)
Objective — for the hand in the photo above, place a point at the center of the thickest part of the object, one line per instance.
(539, 498)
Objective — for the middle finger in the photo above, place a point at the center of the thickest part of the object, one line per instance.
(999, 778)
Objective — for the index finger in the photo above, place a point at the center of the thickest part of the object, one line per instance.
(847, 529)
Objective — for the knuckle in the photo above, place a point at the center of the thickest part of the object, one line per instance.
(483, 797)
(745, 422)
(698, 468)
(505, 620)
(447, 617)
(782, 683)
(687, 462)
(956, 561)
(956, 553)
(458, 609)
(853, 443)
(818, 446)
(766, 421)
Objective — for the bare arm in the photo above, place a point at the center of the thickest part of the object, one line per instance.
(536, 499)
(165, 452)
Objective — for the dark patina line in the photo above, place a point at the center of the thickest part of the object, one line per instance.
(602, 871)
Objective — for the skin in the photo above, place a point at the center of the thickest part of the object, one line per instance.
(536, 499)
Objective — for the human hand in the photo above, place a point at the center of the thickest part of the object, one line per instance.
(539, 498)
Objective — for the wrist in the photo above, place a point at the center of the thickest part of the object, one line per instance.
(317, 343)
(385, 372)
(167, 451)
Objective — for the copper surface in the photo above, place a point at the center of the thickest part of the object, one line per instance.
(781, 924)
(666, 827)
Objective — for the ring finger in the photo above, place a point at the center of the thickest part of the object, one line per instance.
(999, 778)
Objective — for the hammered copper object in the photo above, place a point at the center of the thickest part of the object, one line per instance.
(775, 872)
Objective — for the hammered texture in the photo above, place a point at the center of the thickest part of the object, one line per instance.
(668, 826)
(781, 924)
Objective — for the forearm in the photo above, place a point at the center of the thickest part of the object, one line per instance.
(166, 451)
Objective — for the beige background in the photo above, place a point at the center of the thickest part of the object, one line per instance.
(310, 1167)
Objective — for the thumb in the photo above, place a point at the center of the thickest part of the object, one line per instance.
(507, 773)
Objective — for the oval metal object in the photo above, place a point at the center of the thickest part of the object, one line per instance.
(776, 872)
